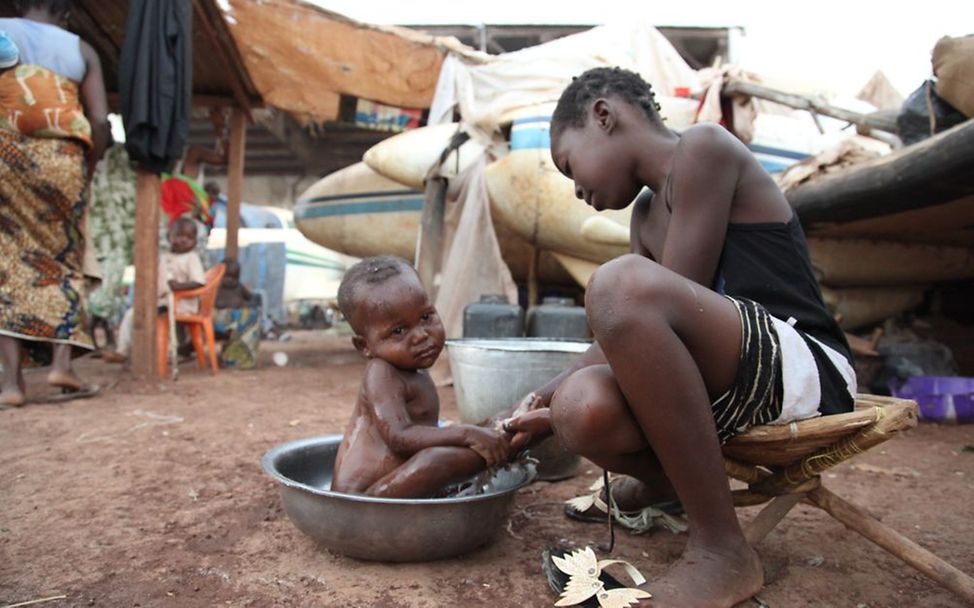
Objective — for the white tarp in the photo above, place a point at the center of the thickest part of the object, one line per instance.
(483, 89)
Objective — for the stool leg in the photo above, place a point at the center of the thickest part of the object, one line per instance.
(770, 515)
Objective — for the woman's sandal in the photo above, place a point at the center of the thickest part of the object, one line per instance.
(579, 578)
(591, 508)
(70, 394)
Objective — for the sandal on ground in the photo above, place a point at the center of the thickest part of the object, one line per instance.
(70, 394)
(591, 508)
(579, 578)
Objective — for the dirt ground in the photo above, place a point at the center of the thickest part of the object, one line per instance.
(151, 494)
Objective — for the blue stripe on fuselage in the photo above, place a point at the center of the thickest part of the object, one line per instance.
(309, 210)
(534, 133)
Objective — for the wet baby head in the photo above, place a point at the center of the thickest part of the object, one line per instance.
(182, 235)
(384, 301)
(595, 134)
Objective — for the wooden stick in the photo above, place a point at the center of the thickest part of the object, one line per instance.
(769, 517)
(533, 283)
(900, 546)
(865, 123)
(37, 601)
(235, 172)
(146, 260)
(744, 472)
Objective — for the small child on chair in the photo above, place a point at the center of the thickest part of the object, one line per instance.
(180, 269)
(393, 446)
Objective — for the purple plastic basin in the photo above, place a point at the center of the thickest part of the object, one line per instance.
(940, 398)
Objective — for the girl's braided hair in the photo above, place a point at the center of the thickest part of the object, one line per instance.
(571, 110)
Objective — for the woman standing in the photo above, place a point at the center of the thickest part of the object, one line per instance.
(53, 130)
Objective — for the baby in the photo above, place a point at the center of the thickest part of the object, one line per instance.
(393, 446)
(233, 293)
(180, 269)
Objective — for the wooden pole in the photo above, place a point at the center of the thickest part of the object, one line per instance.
(926, 562)
(429, 246)
(866, 124)
(533, 282)
(235, 171)
(144, 362)
(934, 171)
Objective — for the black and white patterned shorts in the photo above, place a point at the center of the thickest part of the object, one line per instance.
(756, 396)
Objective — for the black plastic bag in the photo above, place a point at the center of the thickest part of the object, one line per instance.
(914, 120)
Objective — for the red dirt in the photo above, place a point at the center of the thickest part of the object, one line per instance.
(151, 494)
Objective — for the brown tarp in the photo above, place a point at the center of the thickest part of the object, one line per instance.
(287, 45)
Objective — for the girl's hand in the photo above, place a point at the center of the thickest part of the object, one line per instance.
(532, 401)
(526, 428)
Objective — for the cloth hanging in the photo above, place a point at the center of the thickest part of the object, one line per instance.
(155, 81)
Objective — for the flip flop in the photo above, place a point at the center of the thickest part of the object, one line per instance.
(591, 508)
(70, 394)
(580, 579)
(596, 514)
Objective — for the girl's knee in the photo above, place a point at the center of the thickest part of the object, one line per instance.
(618, 292)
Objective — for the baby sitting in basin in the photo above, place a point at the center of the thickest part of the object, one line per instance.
(392, 445)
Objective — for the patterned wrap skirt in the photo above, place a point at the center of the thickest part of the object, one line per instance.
(43, 198)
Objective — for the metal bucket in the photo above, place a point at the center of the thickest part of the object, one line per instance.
(491, 375)
(382, 529)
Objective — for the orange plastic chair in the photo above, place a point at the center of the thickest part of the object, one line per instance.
(200, 324)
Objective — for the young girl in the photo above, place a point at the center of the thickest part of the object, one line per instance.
(714, 323)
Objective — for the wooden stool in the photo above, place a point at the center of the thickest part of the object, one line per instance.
(783, 464)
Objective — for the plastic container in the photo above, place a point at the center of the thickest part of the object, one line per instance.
(493, 317)
(558, 318)
(940, 398)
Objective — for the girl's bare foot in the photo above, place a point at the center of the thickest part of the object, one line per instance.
(708, 578)
(631, 494)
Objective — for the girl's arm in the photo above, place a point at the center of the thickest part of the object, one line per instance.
(703, 180)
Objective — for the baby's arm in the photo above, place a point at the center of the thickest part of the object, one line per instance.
(386, 392)
(183, 285)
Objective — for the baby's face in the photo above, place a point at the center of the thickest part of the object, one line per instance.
(182, 238)
(400, 324)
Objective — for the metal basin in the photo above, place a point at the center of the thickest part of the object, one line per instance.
(382, 529)
(489, 375)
